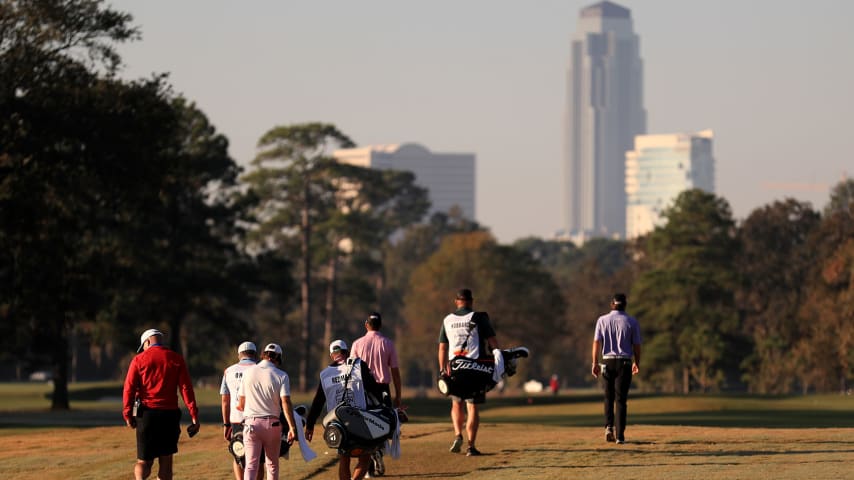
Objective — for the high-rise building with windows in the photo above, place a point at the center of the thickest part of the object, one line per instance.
(658, 169)
(604, 113)
(448, 177)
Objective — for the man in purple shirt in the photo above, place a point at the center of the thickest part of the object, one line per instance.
(617, 339)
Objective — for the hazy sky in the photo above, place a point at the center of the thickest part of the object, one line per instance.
(773, 78)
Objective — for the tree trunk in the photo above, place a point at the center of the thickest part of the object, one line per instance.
(686, 380)
(59, 400)
(305, 290)
(328, 324)
(175, 341)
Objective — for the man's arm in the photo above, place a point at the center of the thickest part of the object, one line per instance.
(314, 412)
(636, 364)
(395, 379)
(594, 356)
(443, 358)
(226, 416)
(129, 394)
(185, 384)
(226, 399)
(288, 410)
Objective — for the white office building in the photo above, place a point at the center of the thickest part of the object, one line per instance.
(604, 112)
(448, 177)
(658, 169)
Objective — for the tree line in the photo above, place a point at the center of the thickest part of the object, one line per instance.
(121, 209)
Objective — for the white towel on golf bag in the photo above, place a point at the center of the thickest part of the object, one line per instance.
(306, 451)
(499, 365)
(393, 444)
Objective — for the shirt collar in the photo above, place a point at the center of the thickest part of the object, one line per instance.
(463, 311)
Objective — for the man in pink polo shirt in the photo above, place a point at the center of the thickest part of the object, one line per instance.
(379, 353)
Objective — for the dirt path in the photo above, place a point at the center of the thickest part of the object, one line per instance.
(510, 452)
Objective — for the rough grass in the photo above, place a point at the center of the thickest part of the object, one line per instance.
(702, 437)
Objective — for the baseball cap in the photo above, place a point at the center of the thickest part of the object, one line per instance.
(337, 345)
(148, 333)
(375, 316)
(274, 348)
(247, 347)
(464, 294)
(619, 299)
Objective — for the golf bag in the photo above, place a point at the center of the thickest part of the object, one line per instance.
(237, 447)
(356, 431)
(472, 377)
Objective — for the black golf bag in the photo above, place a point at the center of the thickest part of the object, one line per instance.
(357, 431)
(470, 377)
(238, 449)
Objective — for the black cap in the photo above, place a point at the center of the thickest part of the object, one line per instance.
(464, 294)
(619, 299)
(374, 321)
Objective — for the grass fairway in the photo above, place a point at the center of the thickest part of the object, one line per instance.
(704, 437)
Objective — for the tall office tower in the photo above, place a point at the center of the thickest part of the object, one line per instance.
(658, 169)
(448, 177)
(604, 113)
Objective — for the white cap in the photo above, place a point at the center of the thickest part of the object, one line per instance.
(148, 333)
(337, 345)
(247, 347)
(273, 348)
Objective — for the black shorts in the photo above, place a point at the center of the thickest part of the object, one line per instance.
(157, 433)
(478, 399)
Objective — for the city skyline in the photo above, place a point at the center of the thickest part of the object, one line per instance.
(771, 78)
(604, 99)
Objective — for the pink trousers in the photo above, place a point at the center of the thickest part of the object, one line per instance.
(262, 433)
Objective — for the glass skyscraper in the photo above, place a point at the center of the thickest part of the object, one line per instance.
(604, 113)
(659, 169)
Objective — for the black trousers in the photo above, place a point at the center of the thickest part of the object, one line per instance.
(617, 379)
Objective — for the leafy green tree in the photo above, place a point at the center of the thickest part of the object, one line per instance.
(774, 265)
(188, 266)
(415, 245)
(370, 206)
(111, 214)
(685, 295)
(841, 198)
(825, 345)
(73, 147)
(557, 256)
(291, 184)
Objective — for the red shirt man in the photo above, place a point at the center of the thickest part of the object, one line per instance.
(154, 378)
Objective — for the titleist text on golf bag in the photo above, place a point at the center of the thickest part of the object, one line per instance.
(471, 377)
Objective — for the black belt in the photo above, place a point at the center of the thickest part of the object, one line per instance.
(616, 357)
